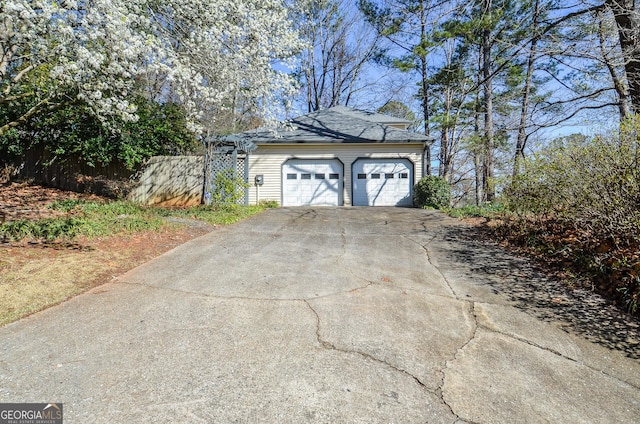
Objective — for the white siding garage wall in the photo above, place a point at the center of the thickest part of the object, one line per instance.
(268, 160)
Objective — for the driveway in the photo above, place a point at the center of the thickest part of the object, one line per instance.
(328, 315)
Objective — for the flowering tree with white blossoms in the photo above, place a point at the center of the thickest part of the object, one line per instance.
(53, 54)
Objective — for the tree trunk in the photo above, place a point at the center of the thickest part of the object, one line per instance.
(489, 144)
(425, 111)
(25, 117)
(447, 139)
(524, 110)
(627, 19)
(425, 94)
(477, 162)
(442, 168)
(618, 82)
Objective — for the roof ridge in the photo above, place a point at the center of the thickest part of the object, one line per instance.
(353, 112)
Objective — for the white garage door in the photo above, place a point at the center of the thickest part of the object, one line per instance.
(312, 182)
(382, 182)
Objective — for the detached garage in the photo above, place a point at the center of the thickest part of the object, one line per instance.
(334, 157)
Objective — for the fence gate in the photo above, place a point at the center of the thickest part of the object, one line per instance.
(226, 171)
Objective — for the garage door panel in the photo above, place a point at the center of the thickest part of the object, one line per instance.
(312, 182)
(383, 182)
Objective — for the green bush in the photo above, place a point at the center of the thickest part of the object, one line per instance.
(74, 133)
(48, 229)
(93, 219)
(432, 191)
(589, 183)
(227, 189)
(270, 204)
(490, 210)
(65, 205)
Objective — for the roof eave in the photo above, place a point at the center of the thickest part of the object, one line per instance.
(344, 142)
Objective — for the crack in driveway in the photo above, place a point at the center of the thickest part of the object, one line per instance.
(430, 261)
(438, 392)
(330, 346)
(554, 352)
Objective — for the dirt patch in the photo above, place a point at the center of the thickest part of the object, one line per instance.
(27, 201)
(37, 275)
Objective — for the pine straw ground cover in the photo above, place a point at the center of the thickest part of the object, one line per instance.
(49, 254)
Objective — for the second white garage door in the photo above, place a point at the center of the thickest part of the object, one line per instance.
(312, 182)
(382, 182)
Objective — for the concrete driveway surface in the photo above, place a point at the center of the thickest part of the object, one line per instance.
(328, 315)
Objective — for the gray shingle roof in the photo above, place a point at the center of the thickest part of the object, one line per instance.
(371, 116)
(334, 125)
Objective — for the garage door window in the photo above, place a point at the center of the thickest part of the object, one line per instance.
(362, 176)
(389, 176)
(292, 176)
(334, 176)
(319, 176)
(305, 176)
(404, 175)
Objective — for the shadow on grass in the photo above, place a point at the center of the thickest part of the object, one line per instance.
(468, 251)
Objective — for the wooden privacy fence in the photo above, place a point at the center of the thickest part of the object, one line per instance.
(43, 167)
(170, 181)
(162, 180)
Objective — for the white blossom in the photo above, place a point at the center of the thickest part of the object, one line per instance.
(208, 50)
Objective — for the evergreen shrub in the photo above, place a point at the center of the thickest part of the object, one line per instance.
(433, 192)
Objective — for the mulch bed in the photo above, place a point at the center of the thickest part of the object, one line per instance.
(22, 200)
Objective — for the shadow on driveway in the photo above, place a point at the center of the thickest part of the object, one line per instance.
(581, 311)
